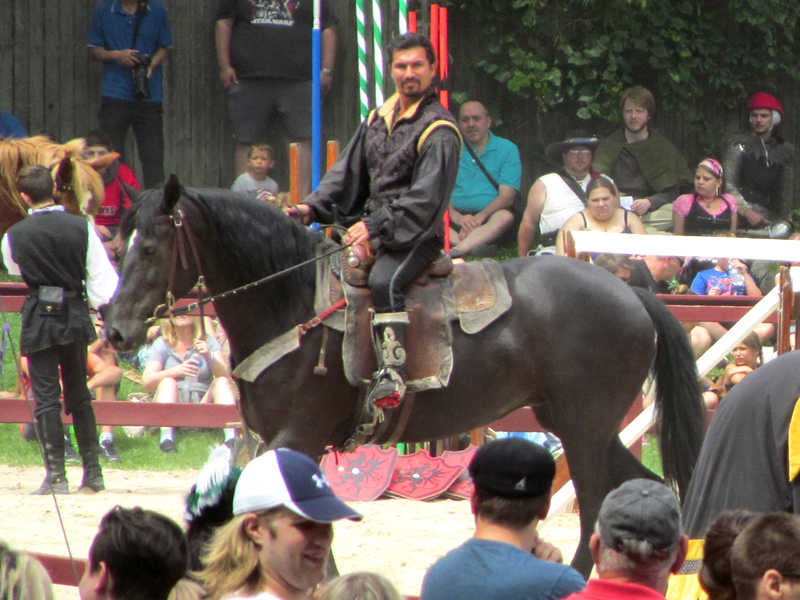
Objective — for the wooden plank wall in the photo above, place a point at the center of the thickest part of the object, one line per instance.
(49, 83)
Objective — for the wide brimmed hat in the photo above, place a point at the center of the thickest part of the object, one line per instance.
(576, 137)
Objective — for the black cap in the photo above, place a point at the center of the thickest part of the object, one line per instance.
(513, 468)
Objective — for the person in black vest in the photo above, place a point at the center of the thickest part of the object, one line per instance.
(392, 186)
(62, 260)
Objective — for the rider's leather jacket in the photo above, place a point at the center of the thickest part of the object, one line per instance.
(759, 172)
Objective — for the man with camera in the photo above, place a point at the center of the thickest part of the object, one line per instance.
(131, 38)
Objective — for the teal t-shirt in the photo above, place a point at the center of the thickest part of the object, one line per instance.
(473, 191)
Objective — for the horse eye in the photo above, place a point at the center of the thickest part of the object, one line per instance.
(148, 249)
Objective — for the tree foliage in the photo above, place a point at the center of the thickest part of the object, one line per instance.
(575, 56)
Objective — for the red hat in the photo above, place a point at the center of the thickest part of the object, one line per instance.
(762, 100)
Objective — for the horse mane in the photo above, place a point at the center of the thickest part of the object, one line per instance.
(259, 239)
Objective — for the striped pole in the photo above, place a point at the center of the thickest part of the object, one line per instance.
(363, 77)
(402, 15)
(377, 45)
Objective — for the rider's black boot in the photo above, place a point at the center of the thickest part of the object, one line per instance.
(85, 424)
(389, 338)
(51, 432)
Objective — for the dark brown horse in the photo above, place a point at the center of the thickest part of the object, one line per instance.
(576, 345)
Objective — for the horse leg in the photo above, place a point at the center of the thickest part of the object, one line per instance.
(625, 466)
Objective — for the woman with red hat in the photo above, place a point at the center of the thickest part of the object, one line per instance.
(758, 164)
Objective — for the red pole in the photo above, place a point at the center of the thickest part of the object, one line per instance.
(412, 21)
(435, 29)
(444, 67)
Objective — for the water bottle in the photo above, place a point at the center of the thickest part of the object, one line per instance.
(736, 275)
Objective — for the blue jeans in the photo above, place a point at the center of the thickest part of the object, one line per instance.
(146, 119)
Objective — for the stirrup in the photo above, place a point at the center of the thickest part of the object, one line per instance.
(388, 389)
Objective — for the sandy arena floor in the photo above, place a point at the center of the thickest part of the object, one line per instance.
(399, 538)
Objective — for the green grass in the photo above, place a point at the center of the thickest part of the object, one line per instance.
(651, 457)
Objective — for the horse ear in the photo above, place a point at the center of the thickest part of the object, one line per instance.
(64, 175)
(172, 193)
(131, 191)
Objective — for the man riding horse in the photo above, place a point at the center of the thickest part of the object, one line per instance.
(393, 181)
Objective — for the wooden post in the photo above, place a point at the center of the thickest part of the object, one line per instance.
(333, 152)
(294, 173)
(785, 310)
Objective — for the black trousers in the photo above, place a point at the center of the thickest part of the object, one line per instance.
(146, 119)
(46, 379)
(394, 271)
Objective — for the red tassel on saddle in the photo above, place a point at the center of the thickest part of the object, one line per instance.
(388, 401)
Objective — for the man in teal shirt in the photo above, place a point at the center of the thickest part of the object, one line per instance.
(480, 207)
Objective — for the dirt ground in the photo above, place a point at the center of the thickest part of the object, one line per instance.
(399, 538)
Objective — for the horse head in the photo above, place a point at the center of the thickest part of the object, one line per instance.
(154, 271)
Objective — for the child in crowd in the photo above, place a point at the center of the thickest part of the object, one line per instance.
(100, 154)
(260, 159)
(747, 357)
(360, 586)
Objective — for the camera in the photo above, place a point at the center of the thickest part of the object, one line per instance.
(140, 76)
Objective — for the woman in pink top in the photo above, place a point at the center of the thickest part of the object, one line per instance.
(709, 208)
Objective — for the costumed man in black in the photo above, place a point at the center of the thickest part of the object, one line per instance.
(392, 186)
(759, 169)
(62, 260)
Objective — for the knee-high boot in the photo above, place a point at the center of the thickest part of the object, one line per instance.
(85, 425)
(51, 435)
(389, 338)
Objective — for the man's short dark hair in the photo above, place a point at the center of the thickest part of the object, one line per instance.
(408, 41)
(514, 513)
(145, 553)
(37, 182)
(770, 541)
(640, 96)
(99, 138)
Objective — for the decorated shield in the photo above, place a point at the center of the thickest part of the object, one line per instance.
(362, 475)
(420, 476)
(462, 487)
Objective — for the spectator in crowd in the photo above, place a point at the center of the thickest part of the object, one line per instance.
(61, 259)
(648, 169)
(22, 577)
(759, 166)
(602, 213)
(260, 160)
(264, 55)
(709, 208)
(618, 265)
(136, 554)
(765, 558)
(488, 180)
(638, 543)
(11, 127)
(100, 154)
(131, 39)
(277, 543)
(392, 185)
(555, 197)
(747, 357)
(655, 273)
(185, 366)
(360, 586)
(716, 575)
(505, 559)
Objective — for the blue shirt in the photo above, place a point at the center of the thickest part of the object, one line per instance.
(720, 281)
(10, 127)
(112, 29)
(489, 570)
(473, 191)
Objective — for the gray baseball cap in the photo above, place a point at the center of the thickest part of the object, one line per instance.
(641, 509)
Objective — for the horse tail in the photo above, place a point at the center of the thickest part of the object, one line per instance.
(680, 412)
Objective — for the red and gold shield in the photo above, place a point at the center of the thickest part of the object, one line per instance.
(362, 475)
(462, 487)
(420, 476)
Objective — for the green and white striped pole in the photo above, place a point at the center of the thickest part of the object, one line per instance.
(402, 17)
(363, 78)
(377, 45)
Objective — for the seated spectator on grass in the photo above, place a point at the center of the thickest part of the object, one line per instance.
(482, 200)
(360, 586)
(618, 265)
(277, 544)
(100, 154)
(555, 197)
(256, 180)
(765, 558)
(655, 273)
(602, 213)
(182, 366)
(137, 554)
(709, 208)
(747, 357)
(638, 543)
(505, 559)
(22, 577)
